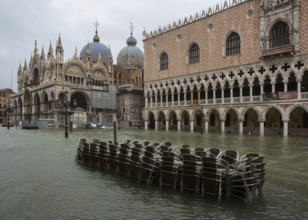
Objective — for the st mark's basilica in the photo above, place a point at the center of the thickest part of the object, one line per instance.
(238, 67)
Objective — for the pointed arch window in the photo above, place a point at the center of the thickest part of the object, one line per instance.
(164, 61)
(194, 54)
(279, 35)
(233, 44)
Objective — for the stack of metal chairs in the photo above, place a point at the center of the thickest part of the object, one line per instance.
(203, 171)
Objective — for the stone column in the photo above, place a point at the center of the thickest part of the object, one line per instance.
(241, 93)
(299, 90)
(285, 86)
(222, 124)
(206, 126)
(222, 95)
(167, 100)
(156, 125)
(191, 98)
(151, 101)
(22, 116)
(146, 102)
(179, 101)
(172, 99)
(206, 96)
(155, 100)
(179, 125)
(261, 128)
(161, 100)
(285, 128)
(167, 125)
(231, 94)
(185, 100)
(240, 124)
(191, 125)
(214, 96)
(146, 125)
(250, 93)
(261, 92)
(273, 88)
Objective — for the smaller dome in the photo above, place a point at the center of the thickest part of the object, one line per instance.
(95, 49)
(130, 57)
(131, 41)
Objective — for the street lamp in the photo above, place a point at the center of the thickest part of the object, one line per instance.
(65, 103)
(8, 110)
(115, 116)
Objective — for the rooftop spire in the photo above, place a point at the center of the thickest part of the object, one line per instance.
(131, 28)
(42, 53)
(35, 47)
(96, 37)
(50, 51)
(131, 41)
(25, 65)
(59, 44)
(19, 68)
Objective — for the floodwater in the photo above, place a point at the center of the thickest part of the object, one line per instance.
(39, 179)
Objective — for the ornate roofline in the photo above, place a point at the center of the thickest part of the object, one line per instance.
(189, 19)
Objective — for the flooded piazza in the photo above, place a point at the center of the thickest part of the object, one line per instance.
(39, 179)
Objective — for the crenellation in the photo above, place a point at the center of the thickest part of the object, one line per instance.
(203, 14)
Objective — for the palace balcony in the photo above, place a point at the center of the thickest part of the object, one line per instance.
(277, 51)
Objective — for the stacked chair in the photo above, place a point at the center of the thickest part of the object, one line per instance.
(191, 173)
(134, 164)
(168, 170)
(210, 172)
(149, 169)
(214, 177)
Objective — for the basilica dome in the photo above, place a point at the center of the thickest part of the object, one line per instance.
(130, 57)
(95, 49)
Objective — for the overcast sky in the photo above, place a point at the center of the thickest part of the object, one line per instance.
(23, 22)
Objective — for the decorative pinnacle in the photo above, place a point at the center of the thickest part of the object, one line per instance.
(96, 24)
(131, 27)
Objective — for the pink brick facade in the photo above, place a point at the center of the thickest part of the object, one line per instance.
(303, 31)
(211, 43)
(262, 88)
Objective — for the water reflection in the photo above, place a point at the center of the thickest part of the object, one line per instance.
(40, 180)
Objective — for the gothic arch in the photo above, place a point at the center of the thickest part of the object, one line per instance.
(224, 113)
(172, 118)
(254, 108)
(78, 65)
(232, 33)
(291, 108)
(278, 108)
(37, 106)
(161, 120)
(79, 100)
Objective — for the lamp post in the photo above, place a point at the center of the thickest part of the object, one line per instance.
(65, 103)
(115, 116)
(8, 110)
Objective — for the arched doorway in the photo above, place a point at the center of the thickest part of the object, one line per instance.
(273, 122)
(37, 107)
(199, 121)
(80, 106)
(214, 125)
(185, 121)
(161, 121)
(172, 121)
(151, 121)
(251, 122)
(28, 106)
(231, 123)
(298, 123)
